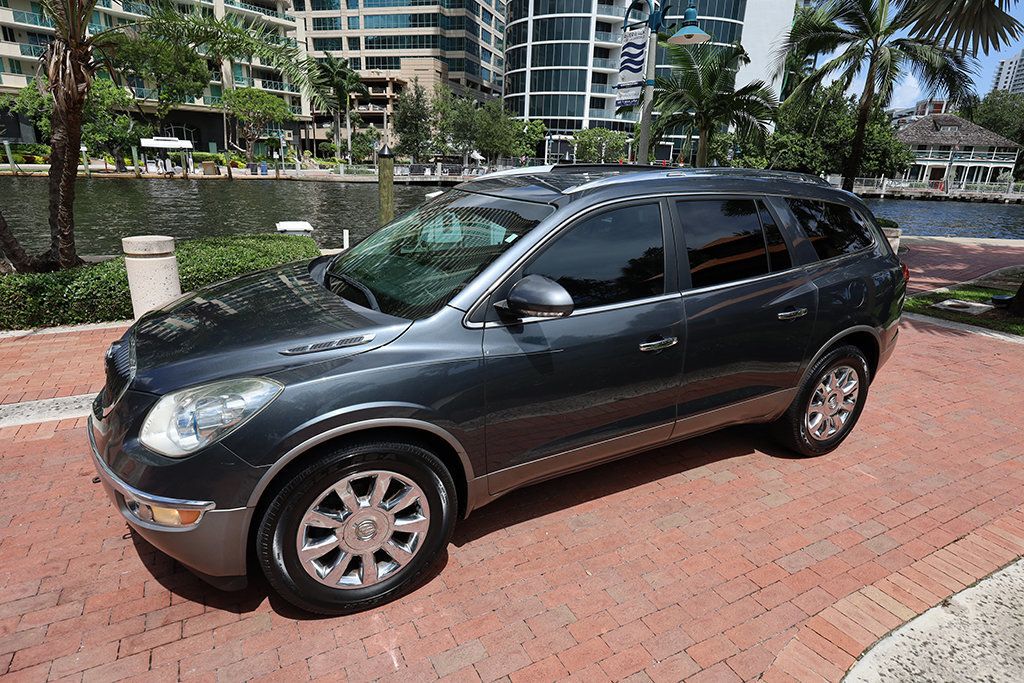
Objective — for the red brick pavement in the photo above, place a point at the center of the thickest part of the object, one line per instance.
(720, 558)
(40, 366)
(936, 262)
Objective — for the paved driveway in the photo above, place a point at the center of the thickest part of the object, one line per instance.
(720, 558)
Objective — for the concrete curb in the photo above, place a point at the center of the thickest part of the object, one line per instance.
(62, 329)
(962, 327)
(45, 410)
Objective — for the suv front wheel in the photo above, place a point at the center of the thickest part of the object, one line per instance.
(357, 527)
(828, 403)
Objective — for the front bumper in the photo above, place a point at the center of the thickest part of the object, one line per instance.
(214, 547)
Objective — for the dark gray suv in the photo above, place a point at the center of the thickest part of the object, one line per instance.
(331, 420)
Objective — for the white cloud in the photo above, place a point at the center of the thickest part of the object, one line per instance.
(907, 93)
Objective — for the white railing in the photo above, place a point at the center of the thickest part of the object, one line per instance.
(947, 155)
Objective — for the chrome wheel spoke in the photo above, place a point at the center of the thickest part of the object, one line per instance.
(320, 520)
(334, 576)
(412, 525)
(348, 497)
(369, 570)
(404, 499)
(314, 551)
(381, 484)
(832, 403)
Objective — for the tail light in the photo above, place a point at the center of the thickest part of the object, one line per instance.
(906, 272)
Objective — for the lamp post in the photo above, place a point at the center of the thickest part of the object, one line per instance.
(688, 34)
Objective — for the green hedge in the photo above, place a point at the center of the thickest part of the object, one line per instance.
(98, 293)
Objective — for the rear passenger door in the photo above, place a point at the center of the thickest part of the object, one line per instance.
(749, 312)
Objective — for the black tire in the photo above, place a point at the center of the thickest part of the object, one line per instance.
(792, 429)
(277, 534)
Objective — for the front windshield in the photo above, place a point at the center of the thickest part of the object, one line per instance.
(413, 266)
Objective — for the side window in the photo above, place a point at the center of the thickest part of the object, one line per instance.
(778, 253)
(724, 241)
(615, 256)
(833, 229)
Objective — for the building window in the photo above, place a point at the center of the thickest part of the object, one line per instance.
(384, 63)
(324, 5)
(422, 20)
(327, 24)
(353, 44)
(352, 4)
(327, 44)
(353, 23)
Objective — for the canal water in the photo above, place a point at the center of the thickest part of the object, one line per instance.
(107, 210)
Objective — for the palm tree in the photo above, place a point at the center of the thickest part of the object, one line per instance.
(965, 25)
(700, 95)
(342, 82)
(74, 58)
(869, 38)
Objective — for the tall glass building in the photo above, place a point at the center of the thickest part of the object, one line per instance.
(562, 56)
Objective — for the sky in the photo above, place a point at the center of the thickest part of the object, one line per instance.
(909, 91)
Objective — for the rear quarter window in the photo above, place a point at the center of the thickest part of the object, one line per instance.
(833, 229)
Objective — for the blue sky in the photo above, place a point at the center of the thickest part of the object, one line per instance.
(909, 92)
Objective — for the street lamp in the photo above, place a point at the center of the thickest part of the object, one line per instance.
(689, 34)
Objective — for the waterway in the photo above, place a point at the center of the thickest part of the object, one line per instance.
(107, 210)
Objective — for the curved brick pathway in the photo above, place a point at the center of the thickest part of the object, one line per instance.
(717, 559)
(938, 262)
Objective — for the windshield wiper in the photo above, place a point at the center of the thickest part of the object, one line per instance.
(356, 284)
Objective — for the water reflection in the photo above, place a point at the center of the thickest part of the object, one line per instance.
(952, 219)
(107, 210)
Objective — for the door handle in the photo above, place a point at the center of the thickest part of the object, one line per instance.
(792, 313)
(660, 344)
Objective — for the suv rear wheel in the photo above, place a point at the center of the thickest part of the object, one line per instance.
(358, 527)
(828, 403)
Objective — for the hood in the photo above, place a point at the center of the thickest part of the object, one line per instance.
(255, 324)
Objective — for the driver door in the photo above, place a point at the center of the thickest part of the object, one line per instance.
(566, 392)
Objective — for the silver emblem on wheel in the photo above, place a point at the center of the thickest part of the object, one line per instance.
(832, 403)
(363, 529)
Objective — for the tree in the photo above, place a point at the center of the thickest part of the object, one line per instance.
(1001, 112)
(965, 25)
(454, 123)
(700, 95)
(340, 82)
(868, 36)
(497, 133)
(176, 72)
(412, 121)
(254, 110)
(599, 145)
(71, 62)
(364, 143)
(529, 136)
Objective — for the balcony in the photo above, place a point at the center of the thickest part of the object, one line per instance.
(32, 50)
(601, 89)
(103, 3)
(32, 18)
(601, 113)
(144, 93)
(243, 82)
(211, 101)
(136, 7)
(947, 155)
(280, 86)
(610, 10)
(600, 63)
(266, 11)
(296, 109)
(96, 28)
(608, 37)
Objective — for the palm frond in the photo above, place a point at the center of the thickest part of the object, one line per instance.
(968, 26)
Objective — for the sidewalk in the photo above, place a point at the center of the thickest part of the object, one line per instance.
(941, 261)
(720, 558)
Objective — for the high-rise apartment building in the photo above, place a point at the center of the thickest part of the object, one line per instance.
(391, 42)
(1010, 74)
(562, 56)
(25, 32)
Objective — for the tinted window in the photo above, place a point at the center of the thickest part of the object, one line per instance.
(833, 229)
(778, 253)
(724, 241)
(615, 256)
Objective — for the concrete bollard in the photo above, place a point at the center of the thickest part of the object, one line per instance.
(152, 271)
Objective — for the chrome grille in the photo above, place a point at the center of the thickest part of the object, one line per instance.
(119, 364)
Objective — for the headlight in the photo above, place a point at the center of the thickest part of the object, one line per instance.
(187, 420)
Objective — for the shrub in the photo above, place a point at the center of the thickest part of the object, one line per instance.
(98, 293)
(886, 222)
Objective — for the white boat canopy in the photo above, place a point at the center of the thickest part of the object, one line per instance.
(165, 143)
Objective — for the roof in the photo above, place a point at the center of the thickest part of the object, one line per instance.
(561, 183)
(927, 130)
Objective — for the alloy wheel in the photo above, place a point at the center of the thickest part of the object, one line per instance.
(363, 529)
(832, 403)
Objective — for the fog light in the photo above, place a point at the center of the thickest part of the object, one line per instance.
(164, 516)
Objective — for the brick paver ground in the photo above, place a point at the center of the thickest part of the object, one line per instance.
(937, 262)
(38, 366)
(721, 558)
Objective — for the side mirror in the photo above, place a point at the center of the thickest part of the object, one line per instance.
(536, 296)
